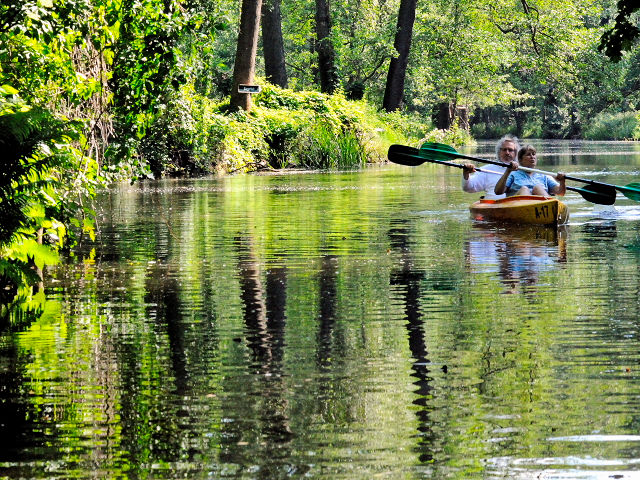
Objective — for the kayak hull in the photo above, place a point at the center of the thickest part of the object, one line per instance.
(521, 209)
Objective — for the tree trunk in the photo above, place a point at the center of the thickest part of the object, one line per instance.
(575, 125)
(462, 115)
(398, 67)
(244, 67)
(520, 117)
(552, 123)
(442, 116)
(272, 44)
(324, 47)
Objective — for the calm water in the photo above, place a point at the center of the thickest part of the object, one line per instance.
(349, 325)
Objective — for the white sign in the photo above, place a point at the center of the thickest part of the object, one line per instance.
(249, 88)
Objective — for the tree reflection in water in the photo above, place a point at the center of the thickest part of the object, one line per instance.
(265, 419)
(407, 280)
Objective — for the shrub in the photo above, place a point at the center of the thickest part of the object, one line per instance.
(196, 135)
(455, 136)
(614, 126)
(320, 146)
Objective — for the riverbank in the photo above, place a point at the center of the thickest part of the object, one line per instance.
(285, 129)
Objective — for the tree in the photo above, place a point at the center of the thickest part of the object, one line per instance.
(273, 45)
(244, 67)
(363, 33)
(623, 33)
(398, 67)
(324, 47)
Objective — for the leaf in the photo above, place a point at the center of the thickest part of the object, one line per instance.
(43, 255)
(8, 90)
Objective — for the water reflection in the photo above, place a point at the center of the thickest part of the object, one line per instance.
(407, 279)
(265, 320)
(330, 333)
(518, 254)
(327, 311)
(165, 306)
(258, 421)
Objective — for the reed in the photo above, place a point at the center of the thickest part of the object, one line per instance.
(322, 147)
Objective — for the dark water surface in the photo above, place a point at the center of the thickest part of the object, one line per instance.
(350, 325)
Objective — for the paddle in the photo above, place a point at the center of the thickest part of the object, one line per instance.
(403, 156)
(412, 157)
(441, 150)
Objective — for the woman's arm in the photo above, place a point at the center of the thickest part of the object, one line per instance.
(501, 185)
(561, 188)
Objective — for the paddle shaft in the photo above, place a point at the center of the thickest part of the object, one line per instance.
(457, 165)
(526, 169)
(410, 156)
(444, 162)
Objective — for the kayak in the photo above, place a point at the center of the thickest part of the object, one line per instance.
(522, 209)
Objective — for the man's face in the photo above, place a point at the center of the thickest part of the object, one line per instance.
(507, 152)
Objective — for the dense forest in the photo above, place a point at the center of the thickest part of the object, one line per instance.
(95, 91)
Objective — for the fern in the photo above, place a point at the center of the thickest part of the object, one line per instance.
(28, 166)
(30, 193)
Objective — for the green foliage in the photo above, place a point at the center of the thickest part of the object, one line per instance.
(43, 184)
(316, 127)
(400, 127)
(285, 128)
(145, 57)
(622, 35)
(614, 126)
(454, 136)
(320, 146)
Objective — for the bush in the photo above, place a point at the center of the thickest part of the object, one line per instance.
(454, 136)
(320, 146)
(403, 127)
(196, 135)
(614, 126)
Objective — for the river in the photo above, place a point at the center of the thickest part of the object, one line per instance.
(335, 325)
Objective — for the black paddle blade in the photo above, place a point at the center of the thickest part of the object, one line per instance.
(410, 156)
(594, 193)
(404, 155)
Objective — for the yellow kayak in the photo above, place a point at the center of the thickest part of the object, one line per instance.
(523, 209)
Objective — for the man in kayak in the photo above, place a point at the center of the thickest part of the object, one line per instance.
(472, 181)
(519, 182)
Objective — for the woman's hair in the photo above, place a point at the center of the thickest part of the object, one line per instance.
(526, 149)
(507, 138)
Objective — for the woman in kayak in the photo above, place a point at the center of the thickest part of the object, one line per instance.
(519, 182)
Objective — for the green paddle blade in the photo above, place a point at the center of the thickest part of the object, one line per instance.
(632, 191)
(438, 151)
